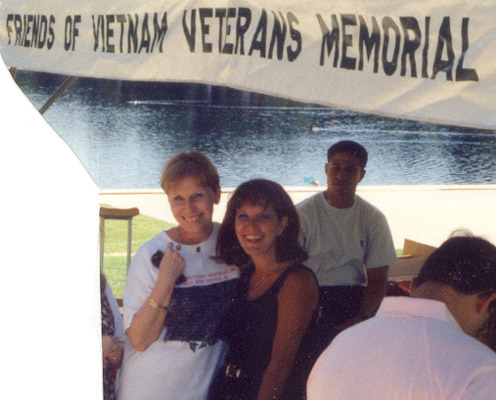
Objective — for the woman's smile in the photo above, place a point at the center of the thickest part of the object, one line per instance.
(257, 229)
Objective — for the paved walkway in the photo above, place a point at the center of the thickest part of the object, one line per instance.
(426, 214)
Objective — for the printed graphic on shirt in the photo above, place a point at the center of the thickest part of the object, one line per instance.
(195, 312)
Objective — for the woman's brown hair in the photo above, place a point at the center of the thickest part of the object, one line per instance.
(264, 193)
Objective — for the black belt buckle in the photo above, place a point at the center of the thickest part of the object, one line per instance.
(233, 372)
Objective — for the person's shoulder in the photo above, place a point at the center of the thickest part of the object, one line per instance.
(368, 208)
(300, 288)
(310, 203)
(215, 231)
(150, 247)
(155, 242)
(300, 277)
(479, 352)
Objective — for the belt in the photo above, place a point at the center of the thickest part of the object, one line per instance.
(233, 372)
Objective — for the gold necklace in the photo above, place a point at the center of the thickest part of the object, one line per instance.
(263, 278)
(260, 281)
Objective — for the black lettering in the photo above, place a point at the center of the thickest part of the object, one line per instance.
(24, 26)
(145, 35)
(278, 36)
(260, 36)
(10, 18)
(465, 74)
(242, 25)
(410, 46)
(220, 13)
(109, 33)
(51, 33)
(18, 29)
(132, 33)
(444, 38)
(390, 66)
(190, 33)
(425, 52)
(33, 30)
(372, 42)
(75, 32)
(36, 31)
(347, 20)
(330, 39)
(228, 47)
(27, 42)
(159, 31)
(97, 31)
(121, 19)
(43, 31)
(295, 36)
(68, 33)
(205, 28)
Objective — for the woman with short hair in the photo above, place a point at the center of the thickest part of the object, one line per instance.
(175, 293)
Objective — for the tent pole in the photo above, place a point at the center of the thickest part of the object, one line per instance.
(68, 82)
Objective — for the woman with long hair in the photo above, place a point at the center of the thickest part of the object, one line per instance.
(269, 327)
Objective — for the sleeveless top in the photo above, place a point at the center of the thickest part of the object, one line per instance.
(249, 328)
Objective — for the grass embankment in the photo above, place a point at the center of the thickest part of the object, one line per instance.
(115, 254)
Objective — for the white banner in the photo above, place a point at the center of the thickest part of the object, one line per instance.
(429, 60)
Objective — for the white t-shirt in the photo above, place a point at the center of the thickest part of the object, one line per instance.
(413, 349)
(182, 362)
(342, 242)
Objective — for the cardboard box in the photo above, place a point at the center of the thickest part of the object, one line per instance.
(410, 262)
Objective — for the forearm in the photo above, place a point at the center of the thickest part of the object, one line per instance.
(274, 378)
(148, 322)
(375, 291)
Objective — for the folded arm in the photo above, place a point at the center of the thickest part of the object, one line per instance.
(148, 322)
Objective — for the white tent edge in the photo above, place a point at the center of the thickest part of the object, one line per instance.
(51, 315)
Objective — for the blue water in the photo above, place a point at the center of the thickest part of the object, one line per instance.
(123, 132)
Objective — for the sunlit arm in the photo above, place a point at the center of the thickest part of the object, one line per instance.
(148, 322)
(298, 298)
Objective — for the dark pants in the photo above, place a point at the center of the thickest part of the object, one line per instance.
(339, 303)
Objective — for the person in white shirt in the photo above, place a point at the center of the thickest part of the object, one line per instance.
(422, 347)
(349, 243)
(175, 293)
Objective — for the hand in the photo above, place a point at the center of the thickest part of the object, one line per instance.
(112, 351)
(171, 266)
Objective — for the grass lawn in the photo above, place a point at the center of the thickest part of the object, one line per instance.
(115, 254)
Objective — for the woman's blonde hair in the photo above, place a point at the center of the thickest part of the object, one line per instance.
(192, 163)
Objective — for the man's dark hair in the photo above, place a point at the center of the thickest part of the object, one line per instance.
(350, 147)
(466, 263)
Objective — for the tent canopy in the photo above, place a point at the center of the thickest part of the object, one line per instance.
(428, 63)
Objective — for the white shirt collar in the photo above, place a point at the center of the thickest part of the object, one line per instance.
(415, 307)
